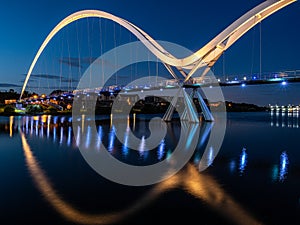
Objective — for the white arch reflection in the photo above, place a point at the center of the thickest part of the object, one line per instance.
(201, 186)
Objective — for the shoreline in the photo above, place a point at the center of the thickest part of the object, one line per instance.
(141, 108)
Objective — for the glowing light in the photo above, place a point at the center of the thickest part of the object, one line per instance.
(82, 122)
(258, 15)
(210, 156)
(99, 137)
(11, 121)
(283, 83)
(27, 120)
(88, 137)
(125, 149)
(243, 85)
(284, 161)
(134, 119)
(142, 146)
(243, 161)
(78, 136)
(161, 150)
(169, 154)
(232, 166)
(44, 118)
(111, 139)
(111, 120)
(275, 173)
(54, 134)
(48, 125)
(197, 158)
(55, 118)
(61, 135)
(31, 125)
(42, 131)
(275, 79)
(36, 127)
(69, 136)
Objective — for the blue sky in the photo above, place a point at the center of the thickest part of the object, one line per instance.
(190, 23)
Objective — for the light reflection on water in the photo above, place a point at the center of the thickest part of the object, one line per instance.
(290, 120)
(243, 161)
(60, 131)
(99, 138)
(112, 136)
(279, 172)
(284, 161)
(203, 187)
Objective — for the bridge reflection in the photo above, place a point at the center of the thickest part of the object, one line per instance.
(59, 130)
(202, 187)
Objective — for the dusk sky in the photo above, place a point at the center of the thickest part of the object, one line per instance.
(190, 23)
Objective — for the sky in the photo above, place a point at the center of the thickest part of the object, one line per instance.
(190, 23)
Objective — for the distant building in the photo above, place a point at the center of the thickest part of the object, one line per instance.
(10, 101)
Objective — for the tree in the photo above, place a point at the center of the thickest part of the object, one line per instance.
(9, 109)
(33, 109)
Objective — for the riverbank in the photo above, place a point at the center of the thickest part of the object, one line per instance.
(139, 108)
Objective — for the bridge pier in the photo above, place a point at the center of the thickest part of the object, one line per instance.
(205, 110)
(190, 112)
(170, 111)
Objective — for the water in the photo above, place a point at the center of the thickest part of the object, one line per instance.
(254, 178)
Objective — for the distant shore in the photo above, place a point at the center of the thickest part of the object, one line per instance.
(8, 110)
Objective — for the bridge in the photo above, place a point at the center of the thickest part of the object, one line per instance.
(203, 59)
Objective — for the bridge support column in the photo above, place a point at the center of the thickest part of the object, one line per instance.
(190, 112)
(170, 111)
(205, 110)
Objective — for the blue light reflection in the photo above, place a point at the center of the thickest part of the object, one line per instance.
(161, 150)
(243, 161)
(284, 161)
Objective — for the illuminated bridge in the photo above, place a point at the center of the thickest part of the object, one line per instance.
(183, 69)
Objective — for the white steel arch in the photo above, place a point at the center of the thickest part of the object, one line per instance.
(207, 55)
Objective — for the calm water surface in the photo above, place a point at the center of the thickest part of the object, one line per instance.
(254, 179)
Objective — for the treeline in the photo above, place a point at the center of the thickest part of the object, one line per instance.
(12, 94)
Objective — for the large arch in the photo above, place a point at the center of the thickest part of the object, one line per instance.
(207, 55)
